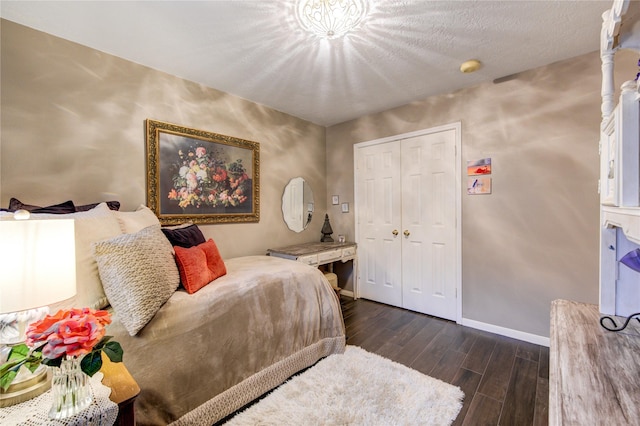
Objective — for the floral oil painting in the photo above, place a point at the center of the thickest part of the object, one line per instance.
(201, 177)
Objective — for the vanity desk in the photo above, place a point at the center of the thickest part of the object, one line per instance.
(318, 254)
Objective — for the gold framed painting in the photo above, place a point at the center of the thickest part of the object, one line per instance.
(201, 177)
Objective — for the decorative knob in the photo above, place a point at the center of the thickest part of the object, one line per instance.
(406, 233)
(395, 232)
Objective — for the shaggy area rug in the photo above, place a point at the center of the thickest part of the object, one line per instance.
(357, 388)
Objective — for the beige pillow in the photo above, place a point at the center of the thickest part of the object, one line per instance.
(90, 226)
(139, 275)
(131, 222)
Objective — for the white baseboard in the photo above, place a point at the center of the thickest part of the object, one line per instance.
(508, 332)
(347, 293)
(495, 329)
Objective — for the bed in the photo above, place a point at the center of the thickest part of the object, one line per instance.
(201, 355)
(204, 356)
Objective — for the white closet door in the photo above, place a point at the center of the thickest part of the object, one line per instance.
(429, 224)
(407, 194)
(378, 221)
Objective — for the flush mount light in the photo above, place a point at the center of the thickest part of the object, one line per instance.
(470, 66)
(330, 18)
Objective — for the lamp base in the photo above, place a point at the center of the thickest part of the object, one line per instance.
(23, 390)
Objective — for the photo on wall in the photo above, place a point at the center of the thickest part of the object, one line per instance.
(479, 167)
(479, 185)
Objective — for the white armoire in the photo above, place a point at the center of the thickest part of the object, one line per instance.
(619, 166)
(407, 205)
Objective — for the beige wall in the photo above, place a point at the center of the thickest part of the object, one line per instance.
(73, 128)
(535, 238)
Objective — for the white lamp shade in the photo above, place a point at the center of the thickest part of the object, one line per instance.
(37, 263)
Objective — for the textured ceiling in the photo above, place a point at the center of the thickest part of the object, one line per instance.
(403, 51)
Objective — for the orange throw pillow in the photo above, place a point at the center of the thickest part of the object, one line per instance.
(199, 265)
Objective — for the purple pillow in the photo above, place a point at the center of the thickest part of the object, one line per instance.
(189, 236)
(62, 208)
(632, 260)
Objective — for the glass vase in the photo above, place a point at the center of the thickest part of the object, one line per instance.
(70, 389)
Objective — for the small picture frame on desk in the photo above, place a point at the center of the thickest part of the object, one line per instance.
(345, 207)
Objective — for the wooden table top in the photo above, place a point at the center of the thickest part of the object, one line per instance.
(310, 248)
(593, 377)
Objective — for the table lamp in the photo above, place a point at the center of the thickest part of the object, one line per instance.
(37, 269)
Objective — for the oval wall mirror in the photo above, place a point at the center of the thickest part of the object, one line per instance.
(297, 204)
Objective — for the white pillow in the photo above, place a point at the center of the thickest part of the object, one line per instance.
(139, 274)
(131, 222)
(90, 226)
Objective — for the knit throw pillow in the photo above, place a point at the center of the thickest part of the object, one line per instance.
(139, 275)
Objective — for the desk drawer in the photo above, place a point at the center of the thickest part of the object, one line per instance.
(328, 256)
(349, 251)
(311, 259)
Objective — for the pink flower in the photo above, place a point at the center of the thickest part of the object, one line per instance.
(73, 332)
(200, 152)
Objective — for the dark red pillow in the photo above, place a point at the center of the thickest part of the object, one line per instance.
(199, 265)
(186, 237)
(62, 208)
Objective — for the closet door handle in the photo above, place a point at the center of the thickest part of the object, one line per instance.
(406, 233)
(395, 232)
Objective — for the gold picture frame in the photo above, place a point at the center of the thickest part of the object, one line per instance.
(201, 177)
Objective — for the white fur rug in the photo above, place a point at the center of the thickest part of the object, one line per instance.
(357, 388)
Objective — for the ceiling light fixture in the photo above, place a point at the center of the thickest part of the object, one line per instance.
(470, 66)
(330, 18)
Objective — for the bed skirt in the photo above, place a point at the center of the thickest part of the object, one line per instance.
(233, 399)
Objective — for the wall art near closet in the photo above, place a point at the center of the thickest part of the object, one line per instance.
(479, 167)
(480, 185)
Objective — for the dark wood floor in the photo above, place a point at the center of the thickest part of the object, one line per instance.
(505, 381)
